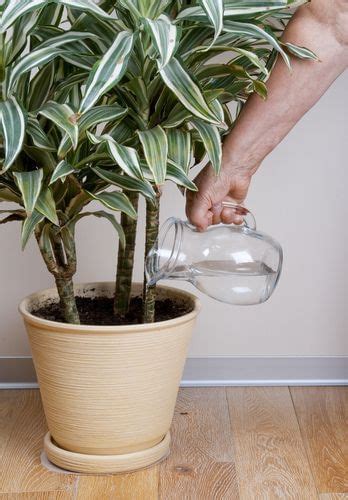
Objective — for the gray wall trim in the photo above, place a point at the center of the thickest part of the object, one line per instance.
(18, 372)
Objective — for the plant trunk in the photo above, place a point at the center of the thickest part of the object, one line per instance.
(125, 260)
(152, 225)
(62, 264)
(66, 294)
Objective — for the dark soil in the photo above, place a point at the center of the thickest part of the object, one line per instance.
(99, 311)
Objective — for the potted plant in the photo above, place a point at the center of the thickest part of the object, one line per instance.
(107, 102)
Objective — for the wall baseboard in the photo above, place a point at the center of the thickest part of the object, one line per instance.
(19, 372)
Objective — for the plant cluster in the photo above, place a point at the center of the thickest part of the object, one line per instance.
(108, 101)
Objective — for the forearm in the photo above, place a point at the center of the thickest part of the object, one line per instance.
(263, 124)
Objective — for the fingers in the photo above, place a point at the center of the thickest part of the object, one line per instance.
(204, 207)
(198, 211)
(229, 216)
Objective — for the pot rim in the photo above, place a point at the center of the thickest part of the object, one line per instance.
(57, 325)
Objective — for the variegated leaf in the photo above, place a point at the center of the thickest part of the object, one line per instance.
(125, 157)
(179, 148)
(300, 52)
(38, 135)
(61, 171)
(215, 12)
(40, 87)
(176, 174)
(29, 225)
(186, 90)
(125, 182)
(108, 71)
(21, 30)
(65, 38)
(46, 206)
(32, 60)
(92, 117)
(155, 146)
(13, 121)
(212, 142)
(64, 117)
(100, 114)
(17, 8)
(164, 37)
(252, 58)
(255, 32)
(29, 184)
(88, 6)
(115, 201)
(242, 8)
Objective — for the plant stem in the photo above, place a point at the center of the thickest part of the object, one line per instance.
(125, 260)
(152, 225)
(68, 306)
(51, 248)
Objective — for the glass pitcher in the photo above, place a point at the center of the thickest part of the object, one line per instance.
(231, 263)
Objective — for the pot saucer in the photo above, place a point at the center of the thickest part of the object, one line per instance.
(105, 464)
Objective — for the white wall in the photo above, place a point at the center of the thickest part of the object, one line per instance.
(299, 196)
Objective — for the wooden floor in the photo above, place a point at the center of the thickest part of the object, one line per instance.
(228, 443)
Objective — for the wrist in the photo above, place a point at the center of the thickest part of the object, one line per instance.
(239, 166)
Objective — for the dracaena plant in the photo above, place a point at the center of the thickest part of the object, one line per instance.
(111, 102)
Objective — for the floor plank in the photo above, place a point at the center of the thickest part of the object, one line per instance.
(43, 495)
(21, 469)
(270, 457)
(333, 496)
(322, 413)
(201, 463)
(142, 485)
(11, 404)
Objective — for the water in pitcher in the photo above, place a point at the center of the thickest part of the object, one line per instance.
(228, 281)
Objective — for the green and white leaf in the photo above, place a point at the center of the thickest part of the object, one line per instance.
(108, 71)
(215, 12)
(125, 157)
(100, 114)
(255, 32)
(64, 117)
(61, 171)
(115, 201)
(301, 52)
(13, 122)
(212, 142)
(179, 148)
(125, 182)
(92, 117)
(46, 206)
(29, 226)
(260, 88)
(38, 135)
(29, 184)
(40, 86)
(155, 147)
(16, 8)
(235, 9)
(176, 174)
(66, 38)
(21, 30)
(186, 90)
(86, 6)
(252, 58)
(164, 37)
(30, 61)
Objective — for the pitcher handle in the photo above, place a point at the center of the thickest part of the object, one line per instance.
(248, 217)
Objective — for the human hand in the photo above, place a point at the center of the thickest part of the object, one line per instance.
(204, 207)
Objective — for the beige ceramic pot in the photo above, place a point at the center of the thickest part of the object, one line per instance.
(108, 392)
